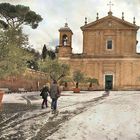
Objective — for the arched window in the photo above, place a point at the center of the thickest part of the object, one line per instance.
(64, 40)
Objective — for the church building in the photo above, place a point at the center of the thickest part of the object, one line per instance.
(109, 52)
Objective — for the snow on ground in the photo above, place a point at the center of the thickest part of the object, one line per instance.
(115, 119)
(13, 98)
(83, 116)
(65, 96)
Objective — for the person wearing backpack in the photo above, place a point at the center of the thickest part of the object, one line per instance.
(44, 93)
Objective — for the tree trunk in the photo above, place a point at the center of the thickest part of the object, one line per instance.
(90, 85)
(77, 84)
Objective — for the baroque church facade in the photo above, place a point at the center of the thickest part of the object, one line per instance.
(109, 52)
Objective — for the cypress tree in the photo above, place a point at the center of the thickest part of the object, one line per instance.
(44, 52)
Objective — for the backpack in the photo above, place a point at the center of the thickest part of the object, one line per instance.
(44, 93)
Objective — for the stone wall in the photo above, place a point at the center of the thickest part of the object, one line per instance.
(31, 81)
(126, 74)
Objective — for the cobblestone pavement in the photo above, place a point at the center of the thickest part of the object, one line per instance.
(9, 116)
(17, 124)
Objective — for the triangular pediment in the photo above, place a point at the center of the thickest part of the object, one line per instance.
(110, 22)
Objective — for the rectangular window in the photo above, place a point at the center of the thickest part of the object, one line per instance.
(109, 44)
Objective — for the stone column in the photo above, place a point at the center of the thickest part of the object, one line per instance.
(101, 43)
(122, 43)
(118, 43)
(118, 75)
(96, 72)
(101, 80)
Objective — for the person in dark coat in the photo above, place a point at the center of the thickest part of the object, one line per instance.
(44, 93)
(54, 94)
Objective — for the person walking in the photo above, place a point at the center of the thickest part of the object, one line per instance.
(54, 94)
(44, 93)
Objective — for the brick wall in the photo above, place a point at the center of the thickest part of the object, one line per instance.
(31, 80)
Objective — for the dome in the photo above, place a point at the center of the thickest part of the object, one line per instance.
(65, 28)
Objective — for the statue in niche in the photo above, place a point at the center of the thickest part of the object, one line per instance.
(65, 39)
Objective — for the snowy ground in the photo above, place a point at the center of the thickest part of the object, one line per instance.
(84, 116)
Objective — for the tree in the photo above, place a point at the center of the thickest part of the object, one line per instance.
(16, 37)
(65, 80)
(92, 81)
(54, 69)
(13, 58)
(44, 52)
(78, 77)
(13, 16)
(14, 61)
(32, 64)
(3, 42)
(51, 54)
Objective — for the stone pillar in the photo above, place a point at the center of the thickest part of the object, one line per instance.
(122, 43)
(132, 75)
(100, 46)
(98, 43)
(101, 79)
(101, 43)
(118, 43)
(96, 70)
(118, 75)
(134, 42)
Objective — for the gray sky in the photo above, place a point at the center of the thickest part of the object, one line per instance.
(56, 12)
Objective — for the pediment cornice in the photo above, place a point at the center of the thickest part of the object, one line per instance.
(110, 22)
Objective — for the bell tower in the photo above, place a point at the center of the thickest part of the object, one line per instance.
(65, 41)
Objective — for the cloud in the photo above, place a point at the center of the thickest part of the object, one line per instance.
(55, 13)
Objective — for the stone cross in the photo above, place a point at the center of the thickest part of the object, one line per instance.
(110, 4)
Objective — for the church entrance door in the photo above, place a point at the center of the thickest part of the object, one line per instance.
(109, 82)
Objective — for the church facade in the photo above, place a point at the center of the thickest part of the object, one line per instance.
(109, 52)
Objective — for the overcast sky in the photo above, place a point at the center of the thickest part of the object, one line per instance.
(56, 12)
